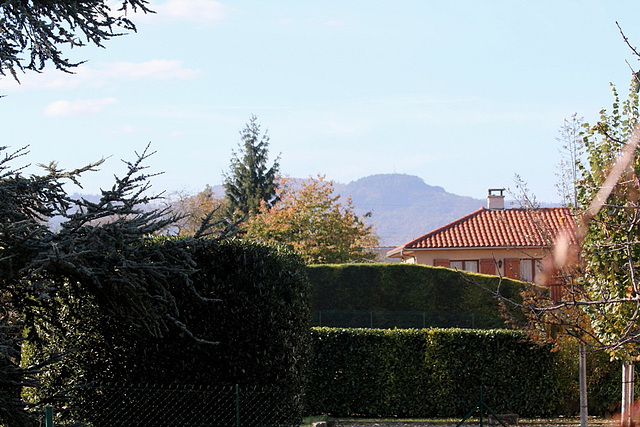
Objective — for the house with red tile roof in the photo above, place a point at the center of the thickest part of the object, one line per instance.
(493, 240)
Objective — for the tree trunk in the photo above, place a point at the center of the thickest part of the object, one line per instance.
(584, 406)
(627, 392)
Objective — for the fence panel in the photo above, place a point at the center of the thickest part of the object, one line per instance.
(180, 406)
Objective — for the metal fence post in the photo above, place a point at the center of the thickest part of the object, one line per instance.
(481, 407)
(48, 416)
(237, 405)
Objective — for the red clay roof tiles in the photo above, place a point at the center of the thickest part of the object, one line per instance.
(486, 228)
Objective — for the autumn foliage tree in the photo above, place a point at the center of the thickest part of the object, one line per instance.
(317, 223)
(609, 199)
(194, 210)
(600, 304)
(610, 248)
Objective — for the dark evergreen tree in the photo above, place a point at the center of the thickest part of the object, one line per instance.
(98, 273)
(249, 180)
(35, 32)
(26, 203)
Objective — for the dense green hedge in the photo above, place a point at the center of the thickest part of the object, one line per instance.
(262, 318)
(407, 287)
(439, 372)
(251, 299)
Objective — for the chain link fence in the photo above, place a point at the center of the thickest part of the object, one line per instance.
(176, 406)
(404, 319)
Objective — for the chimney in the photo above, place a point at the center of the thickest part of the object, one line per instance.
(495, 199)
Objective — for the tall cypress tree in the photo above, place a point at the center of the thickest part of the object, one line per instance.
(249, 180)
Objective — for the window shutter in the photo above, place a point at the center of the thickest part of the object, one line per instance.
(512, 268)
(441, 263)
(488, 266)
(555, 282)
(555, 292)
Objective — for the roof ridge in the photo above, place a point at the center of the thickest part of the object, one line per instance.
(516, 227)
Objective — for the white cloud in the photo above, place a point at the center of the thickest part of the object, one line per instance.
(86, 76)
(77, 107)
(202, 11)
(48, 79)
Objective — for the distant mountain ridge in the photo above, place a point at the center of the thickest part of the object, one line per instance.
(404, 207)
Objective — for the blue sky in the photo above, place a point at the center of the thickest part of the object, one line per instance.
(463, 94)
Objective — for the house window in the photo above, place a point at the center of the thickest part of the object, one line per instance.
(465, 265)
(529, 268)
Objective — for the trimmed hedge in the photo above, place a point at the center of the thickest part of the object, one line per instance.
(432, 373)
(438, 372)
(251, 299)
(408, 287)
(263, 315)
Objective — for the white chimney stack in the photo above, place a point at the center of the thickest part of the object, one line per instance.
(495, 199)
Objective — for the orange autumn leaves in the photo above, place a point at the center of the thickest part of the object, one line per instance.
(315, 222)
